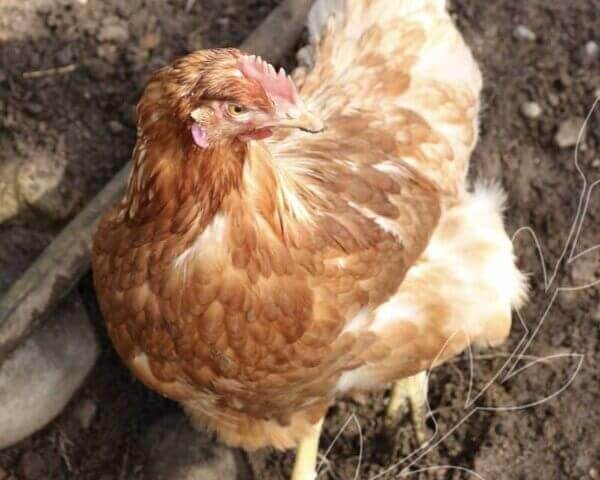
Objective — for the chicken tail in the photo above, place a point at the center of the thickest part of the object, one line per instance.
(359, 15)
(401, 31)
(397, 56)
(319, 15)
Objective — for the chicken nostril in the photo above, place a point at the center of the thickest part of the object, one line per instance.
(314, 131)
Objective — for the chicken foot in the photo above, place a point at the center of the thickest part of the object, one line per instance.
(306, 455)
(410, 394)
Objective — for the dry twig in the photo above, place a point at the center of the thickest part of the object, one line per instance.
(50, 71)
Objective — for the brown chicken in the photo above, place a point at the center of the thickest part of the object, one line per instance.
(283, 243)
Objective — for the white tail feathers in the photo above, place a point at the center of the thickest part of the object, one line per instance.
(319, 15)
(359, 15)
(369, 43)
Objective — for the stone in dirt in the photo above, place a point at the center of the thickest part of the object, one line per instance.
(176, 451)
(38, 182)
(40, 377)
(522, 32)
(568, 132)
(113, 30)
(531, 110)
(9, 202)
(591, 51)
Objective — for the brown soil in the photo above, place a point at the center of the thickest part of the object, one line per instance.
(86, 115)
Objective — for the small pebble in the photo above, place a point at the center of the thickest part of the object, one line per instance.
(108, 52)
(31, 466)
(39, 186)
(594, 474)
(99, 69)
(521, 32)
(85, 413)
(10, 203)
(116, 127)
(531, 110)
(113, 30)
(568, 132)
(174, 450)
(591, 51)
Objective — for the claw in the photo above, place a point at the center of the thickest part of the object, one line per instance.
(410, 395)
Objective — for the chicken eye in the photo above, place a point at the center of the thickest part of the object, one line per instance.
(236, 110)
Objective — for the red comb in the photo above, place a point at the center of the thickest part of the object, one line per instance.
(278, 86)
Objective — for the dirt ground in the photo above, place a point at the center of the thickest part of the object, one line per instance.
(83, 121)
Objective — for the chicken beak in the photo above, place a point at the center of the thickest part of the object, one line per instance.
(298, 116)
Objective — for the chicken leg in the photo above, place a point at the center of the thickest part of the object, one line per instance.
(410, 394)
(306, 455)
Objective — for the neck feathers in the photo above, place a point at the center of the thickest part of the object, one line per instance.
(167, 178)
(184, 188)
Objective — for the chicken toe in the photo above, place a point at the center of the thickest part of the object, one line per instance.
(410, 395)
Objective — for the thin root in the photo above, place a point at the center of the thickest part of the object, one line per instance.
(50, 71)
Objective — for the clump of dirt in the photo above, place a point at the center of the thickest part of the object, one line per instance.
(530, 52)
